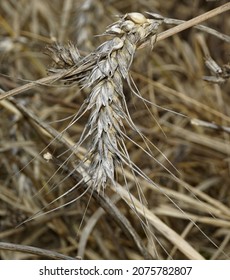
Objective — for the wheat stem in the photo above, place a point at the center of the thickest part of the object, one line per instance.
(194, 21)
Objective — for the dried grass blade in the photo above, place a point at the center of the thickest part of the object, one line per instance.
(170, 234)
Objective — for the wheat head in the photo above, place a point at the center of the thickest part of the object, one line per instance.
(105, 69)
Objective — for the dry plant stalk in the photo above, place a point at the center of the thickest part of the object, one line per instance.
(107, 67)
(220, 73)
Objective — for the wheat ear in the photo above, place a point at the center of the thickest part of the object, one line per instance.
(106, 98)
(104, 71)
